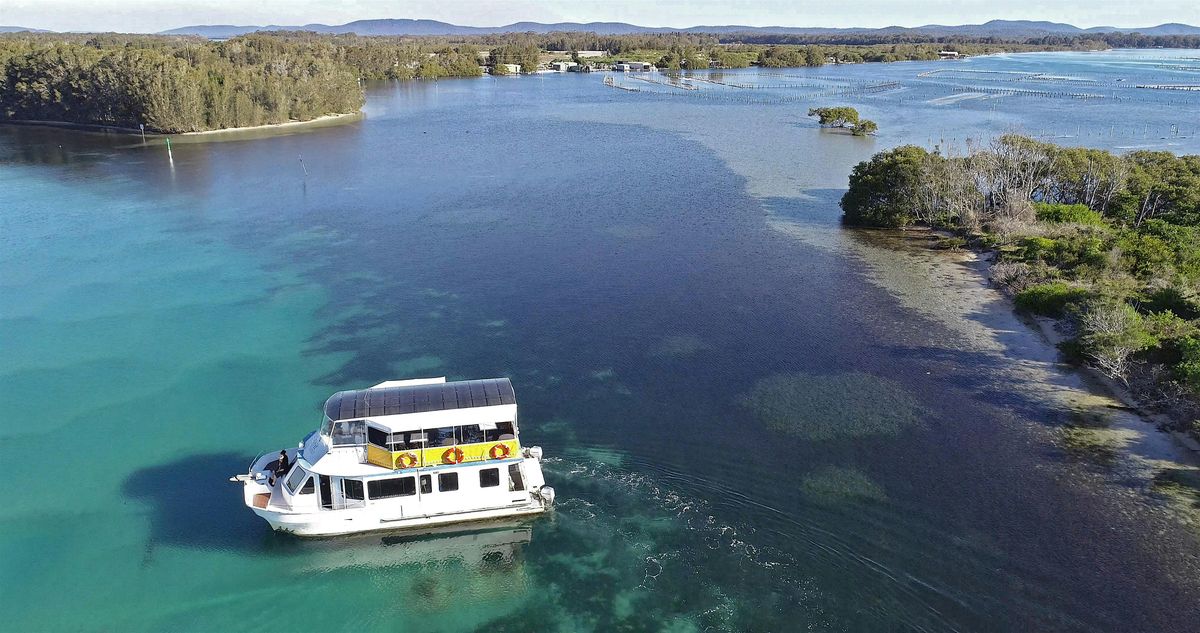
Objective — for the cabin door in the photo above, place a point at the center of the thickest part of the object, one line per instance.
(439, 493)
(428, 498)
(326, 492)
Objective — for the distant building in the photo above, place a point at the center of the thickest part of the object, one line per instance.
(562, 67)
(948, 54)
(587, 54)
(637, 67)
(580, 68)
(512, 68)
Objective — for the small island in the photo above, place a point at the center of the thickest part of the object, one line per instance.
(1107, 245)
(844, 118)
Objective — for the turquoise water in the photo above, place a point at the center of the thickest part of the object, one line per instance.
(751, 424)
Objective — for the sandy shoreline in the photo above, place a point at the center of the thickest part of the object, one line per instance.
(317, 122)
(326, 119)
(1107, 426)
(969, 270)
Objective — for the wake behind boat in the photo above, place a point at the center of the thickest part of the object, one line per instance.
(404, 454)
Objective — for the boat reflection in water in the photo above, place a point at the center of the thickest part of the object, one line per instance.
(477, 574)
(492, 543)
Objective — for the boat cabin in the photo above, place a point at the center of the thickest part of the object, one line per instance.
(413, 448)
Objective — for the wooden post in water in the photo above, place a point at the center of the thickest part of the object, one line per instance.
(301, 157)
(142, 127)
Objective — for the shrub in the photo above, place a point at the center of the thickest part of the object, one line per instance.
(1183, 243)
(953, 243)
(1145, 256)
(1037, 248)
(1188, 368)
(1174, 299)
(1049, 299)
(1067, 214)
(1011, 227)
(1110, 332)
(1012, 276)
(1168, 326)
(1081, 249)
(1068, 253)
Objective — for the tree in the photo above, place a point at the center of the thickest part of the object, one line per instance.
(178, 84)
(842, 116)
(1162, 184)
(781, 57)
(1009, 173)
(1087, 176)
(865, 127)
(813, 56)
(886, 190)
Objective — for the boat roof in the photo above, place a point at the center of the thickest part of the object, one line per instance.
(400, 399)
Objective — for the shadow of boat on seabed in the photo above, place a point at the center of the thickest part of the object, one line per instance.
(193, 504)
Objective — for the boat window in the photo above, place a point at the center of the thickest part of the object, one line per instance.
(515, 480)
(326, 426)
(295, 478)
(489, 477)
(407, 441)
(439, 437)
(426, 484)
(378, 437)
(447, 482)
(352, 488)
(309, 487)
(503, 431)
(394, 487)
(350, 432)
(470, 434)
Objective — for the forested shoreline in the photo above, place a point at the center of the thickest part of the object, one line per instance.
(175, 84)
(189, 84)
(1109, 245)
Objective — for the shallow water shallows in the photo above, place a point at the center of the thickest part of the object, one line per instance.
(832, 407)
(756, 419)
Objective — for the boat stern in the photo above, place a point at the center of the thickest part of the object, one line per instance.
(538, 490)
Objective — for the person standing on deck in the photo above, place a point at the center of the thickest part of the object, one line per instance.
(282, 465)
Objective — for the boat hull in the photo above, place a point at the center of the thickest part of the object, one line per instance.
(360, 521)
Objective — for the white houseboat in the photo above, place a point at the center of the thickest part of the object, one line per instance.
(403, 455)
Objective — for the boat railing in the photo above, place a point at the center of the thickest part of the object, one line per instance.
(250, 468)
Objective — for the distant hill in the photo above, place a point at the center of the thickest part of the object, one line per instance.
(19, 29)
(994, 28)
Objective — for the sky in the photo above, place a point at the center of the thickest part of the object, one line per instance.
(157, 15)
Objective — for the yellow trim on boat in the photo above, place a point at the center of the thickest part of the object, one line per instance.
(479, 452)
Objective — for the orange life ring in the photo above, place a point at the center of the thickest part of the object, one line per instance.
(406, 460)
(500, 451)
(452, 455)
